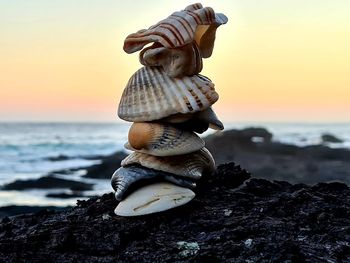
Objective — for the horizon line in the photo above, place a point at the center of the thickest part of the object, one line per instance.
(126, 122)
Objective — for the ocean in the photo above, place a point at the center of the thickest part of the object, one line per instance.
(32, 150)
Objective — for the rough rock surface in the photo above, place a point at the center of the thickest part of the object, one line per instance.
(257, 221)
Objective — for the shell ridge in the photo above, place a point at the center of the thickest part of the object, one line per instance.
(185, 29)
(185, 93)
(151, 91)
(161, 77)
(171, 96)
(187, 23)
(176, 89)
(195, 19)
(127, 105)
(195, 92)
(175, 32)
(143, 100)
(121, 107)
(207, 90)
(207, 14)
(171, 136)
(158, 75)
(136, 95)
(203, 95)
(151, 94)
(156, 88)
(156, 133)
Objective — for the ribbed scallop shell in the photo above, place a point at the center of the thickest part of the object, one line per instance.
(162, 139)
(176, 62)
(191, 165)
(180, 29)
(151, 95)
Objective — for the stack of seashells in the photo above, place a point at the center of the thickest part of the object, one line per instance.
(168, 103)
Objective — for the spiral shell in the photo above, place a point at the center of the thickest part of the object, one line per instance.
(176, 62)
(179, 29)
(191, 165)
(151, 95)
(162, 139)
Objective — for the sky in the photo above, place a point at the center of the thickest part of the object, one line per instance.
(275, 60)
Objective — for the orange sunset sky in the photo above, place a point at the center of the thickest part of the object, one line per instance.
(275, 60)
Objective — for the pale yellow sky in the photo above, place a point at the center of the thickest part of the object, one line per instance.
(274, 61)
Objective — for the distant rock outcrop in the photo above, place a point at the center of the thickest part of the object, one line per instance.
(277, 161)
(107, 167)
(326, 137)
(47, 182)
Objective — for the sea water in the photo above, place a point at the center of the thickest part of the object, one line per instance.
(32, 150)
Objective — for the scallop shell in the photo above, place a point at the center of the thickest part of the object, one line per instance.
(151, 95)
(191, 165)
(207, 116)
(162, 139)
(176, 62)
(195, 23)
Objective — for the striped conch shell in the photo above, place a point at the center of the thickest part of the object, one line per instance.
(162, 140)
(151, 95)
(191, 165)
(195, 23)
(206, 116)
(176, 62)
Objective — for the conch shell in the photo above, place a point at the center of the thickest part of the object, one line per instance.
(191, 165)
(176, 62)
(162, 140)
(195, 23)
(151, 95)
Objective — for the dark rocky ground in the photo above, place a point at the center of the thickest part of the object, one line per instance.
(257, 221)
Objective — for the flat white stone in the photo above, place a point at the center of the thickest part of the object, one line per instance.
(154, 198)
